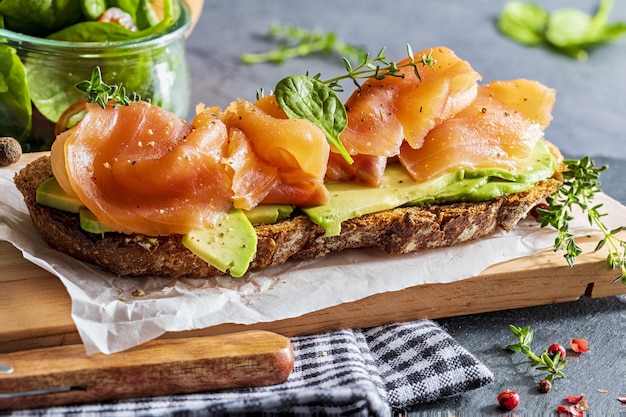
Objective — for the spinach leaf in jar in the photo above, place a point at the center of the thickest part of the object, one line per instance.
(15, 106)
(39, 18)
(93, 9)
(153, 69)
(108, 32)
(141, 11)
(52, 87)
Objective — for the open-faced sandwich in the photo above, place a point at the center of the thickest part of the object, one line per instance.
(420, 157)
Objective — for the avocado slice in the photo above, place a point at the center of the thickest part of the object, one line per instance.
(50, 194)
(349, 200)
(268, 213)
(90, 223)
(230, 245)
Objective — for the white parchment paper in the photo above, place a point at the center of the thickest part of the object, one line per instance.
(111, 316)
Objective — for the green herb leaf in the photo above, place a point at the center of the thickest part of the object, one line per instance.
(15, 105)
(542, 362)
(379, 68)
(580, 184)
(546, 359)
(570, 31)
(523, 22)
(101, 93)
(298, 42)
(39, 18)
(303, 97)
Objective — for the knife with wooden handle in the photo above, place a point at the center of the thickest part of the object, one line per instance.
(66, 375)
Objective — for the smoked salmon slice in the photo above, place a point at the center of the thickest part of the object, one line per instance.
(448, 88)
(384, 114)
(141, 169)
(367, 169)
(291, 155)
(253, 178)
(498, 130)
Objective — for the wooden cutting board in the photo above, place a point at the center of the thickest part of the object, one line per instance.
(35, 307)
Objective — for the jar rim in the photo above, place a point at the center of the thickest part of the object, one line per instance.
(178, 28)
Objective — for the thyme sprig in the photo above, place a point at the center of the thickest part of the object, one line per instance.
(552, 365)
(581, 183)
(298, 42)
(379, 67)
(102, 93)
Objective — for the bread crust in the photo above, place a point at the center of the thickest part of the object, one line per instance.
(398, 231)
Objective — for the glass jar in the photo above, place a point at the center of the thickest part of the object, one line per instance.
(38, 76)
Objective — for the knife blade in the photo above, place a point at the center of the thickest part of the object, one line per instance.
(67, 375)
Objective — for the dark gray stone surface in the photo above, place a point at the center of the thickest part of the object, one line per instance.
(589, 119)
(601, 321)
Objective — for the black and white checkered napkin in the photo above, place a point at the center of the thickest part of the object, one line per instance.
(364, 372)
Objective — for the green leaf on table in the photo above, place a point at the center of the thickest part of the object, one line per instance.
(570, 31)
(295, 41)
(573, 31)
(523, 22)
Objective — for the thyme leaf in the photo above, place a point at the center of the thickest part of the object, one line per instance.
(580, 184)
(298, 42)
(543, 362)
(102, 93)
(379, 67)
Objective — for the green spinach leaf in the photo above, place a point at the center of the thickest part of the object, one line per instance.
(93, 9)
(102, 32)
(141, 11)
(570, 31)
(96, 32)
(523, 22)
(569, 28)
(37, 17)
(15, 106)
(31, 85)
(303, 97)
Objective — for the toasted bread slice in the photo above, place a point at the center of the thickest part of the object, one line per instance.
(398, 231)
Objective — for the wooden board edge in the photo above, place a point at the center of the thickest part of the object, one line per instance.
(542, 279)
(526, 282)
